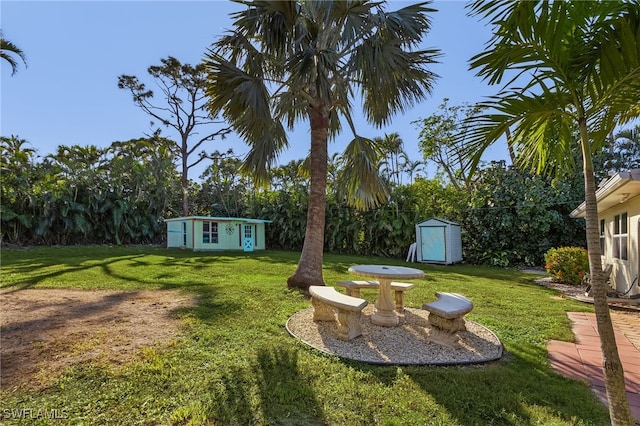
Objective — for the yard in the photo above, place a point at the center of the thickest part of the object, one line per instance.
(146, 335)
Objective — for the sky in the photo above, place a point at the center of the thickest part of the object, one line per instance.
(68, 95)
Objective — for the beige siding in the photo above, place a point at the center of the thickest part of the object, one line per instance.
(624, 272)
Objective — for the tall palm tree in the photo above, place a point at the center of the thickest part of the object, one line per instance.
(624, 150)
(7, 52)
(578, 68)
(412, 167)
(13, 151)
(287, 61)
(392, 147)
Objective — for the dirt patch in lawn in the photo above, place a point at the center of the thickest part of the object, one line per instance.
(44, 331)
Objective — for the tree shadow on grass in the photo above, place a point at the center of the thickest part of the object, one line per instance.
(46, 264)
(42, 271)
(286, 397)
(272, 391)
(514, 390)
(233, 405)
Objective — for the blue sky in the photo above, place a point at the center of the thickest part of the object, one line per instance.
(76, 50)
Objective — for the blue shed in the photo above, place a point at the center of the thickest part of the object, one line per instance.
(438, 241)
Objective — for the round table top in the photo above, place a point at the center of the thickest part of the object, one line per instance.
(385, 271)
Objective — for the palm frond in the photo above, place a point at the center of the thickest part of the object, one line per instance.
(243, 99)
(392, 80)
(290, 107)
(580, 62)
(7, 52)
(537, 121)
(271, 23)
(392, 76)
(363, 185)
(354, 15)
(263, 155)
(407, 24)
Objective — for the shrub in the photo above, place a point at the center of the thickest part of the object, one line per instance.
(567, 264)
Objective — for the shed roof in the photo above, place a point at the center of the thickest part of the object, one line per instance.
(447, 222)
(218, 219)
(615, 190)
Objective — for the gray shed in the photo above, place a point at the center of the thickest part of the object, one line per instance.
(438, 241)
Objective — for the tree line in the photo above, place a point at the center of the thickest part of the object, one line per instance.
(121, 195)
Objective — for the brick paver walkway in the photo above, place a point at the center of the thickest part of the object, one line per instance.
(582, 360)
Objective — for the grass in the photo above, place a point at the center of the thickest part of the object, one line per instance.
(237, 365)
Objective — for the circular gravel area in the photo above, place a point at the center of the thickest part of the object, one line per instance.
(413, 342)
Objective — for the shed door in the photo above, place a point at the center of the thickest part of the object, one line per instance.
(175, 235)
(432, 240)
(248, 238)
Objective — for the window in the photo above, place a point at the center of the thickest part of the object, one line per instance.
(620, 236)
(210, 232)
(184, 234)
(602, 239)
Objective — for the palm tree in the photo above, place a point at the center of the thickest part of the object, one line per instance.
(578, 64)
(16, 188)
(287, 61)
(14, 152)
(624, 150)
(412, 167)
(392, 147)
(7, 52)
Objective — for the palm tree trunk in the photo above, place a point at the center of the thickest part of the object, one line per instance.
(309, 270)
(512, 154)
(619, 410)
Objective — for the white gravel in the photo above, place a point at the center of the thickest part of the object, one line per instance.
(413, 342)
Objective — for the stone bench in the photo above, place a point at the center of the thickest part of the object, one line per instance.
(448, 311)
(349, 309)
(353, 289)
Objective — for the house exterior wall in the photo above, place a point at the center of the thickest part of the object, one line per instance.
(624, 271)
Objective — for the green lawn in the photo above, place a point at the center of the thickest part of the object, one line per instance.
(237, 365)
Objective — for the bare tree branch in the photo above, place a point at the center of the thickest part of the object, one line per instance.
(180, 107)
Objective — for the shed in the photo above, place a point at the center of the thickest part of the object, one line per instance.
(438, 241)
(216, 233)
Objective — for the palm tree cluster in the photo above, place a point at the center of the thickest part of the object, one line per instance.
(396, 163)
(623, 150)
(85, 194)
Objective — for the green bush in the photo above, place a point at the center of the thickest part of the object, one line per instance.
(567, 264)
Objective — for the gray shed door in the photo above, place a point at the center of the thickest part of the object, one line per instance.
(433, 243)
